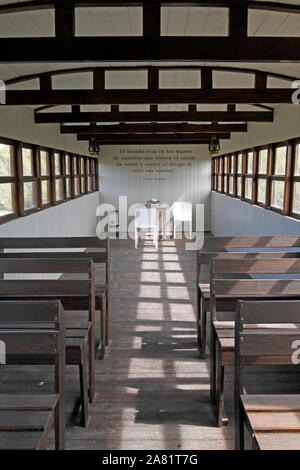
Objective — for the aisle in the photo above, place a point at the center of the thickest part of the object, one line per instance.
(152, 389)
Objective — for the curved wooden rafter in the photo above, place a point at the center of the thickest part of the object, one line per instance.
(32, 5)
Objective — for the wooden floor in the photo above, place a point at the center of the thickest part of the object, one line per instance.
(152, 390)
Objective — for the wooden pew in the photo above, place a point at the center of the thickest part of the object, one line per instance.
(272, 420)
(33, 333)
(76, 294)
(93, 247)
(203, 288)
(215, 245)
(224, 295)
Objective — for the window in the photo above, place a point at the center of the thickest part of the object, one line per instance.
(33, 178)
(68, 176)
(8, 183)
(239, 178)
(82, 169)
(295, 196)
(44, 177)
(226, 166)
(268, 176)
(249, 175)
(28, 181)
(58, 177)
(262, 168)
(278, 177)
(214, 173)
(76, 177)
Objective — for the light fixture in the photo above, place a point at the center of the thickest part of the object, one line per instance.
(214, 145)
(94, 147)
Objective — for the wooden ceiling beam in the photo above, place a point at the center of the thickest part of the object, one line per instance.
(65, 19)
(152, 96)
(153, 128)
(238, 21)
(140, 138)
(160, 116)
(112, 49)
(253, 4)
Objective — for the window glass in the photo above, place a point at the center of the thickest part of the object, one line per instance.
(68, 164)
(297, 160)
(296, 202)
(6, 164)
(263, 161)
(240, 163)
(248, 188)
(250, 162)
(230, 184)
(277, 194)
(77, 186)
(239, 186)
(57, 163)
(68, 187)
(59, 189)
(261, 191)
(29, 195)
(6, 199)
(45, 192)
(280, 160)
(27, 160)
(44, 162)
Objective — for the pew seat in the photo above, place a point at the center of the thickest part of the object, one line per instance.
(20, 440)
(25, 420)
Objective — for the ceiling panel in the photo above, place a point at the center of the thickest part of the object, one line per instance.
(117, 21)
(75, 81)
(27, 24)
(196, 21)
(126, 79)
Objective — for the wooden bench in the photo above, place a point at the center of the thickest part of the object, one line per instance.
(75, 295)
(93, 247)
(203, 288)
(224, 295)
(273, 420)
(213, 246)
(33, 333)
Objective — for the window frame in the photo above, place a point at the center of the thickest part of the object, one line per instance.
(13, 179)
(42, 178)
(273, 177)
(17, 179)
(27, 179)
(289, 178)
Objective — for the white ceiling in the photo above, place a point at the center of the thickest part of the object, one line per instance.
(123, 21)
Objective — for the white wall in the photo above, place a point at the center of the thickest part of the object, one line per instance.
(17, 122)
(190, 182)
(73, 218)
(233, 217)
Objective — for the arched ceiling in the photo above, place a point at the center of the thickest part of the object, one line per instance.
(181, 90)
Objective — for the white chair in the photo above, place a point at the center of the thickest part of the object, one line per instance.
(113, 222)
(182, 212)
(146, 219)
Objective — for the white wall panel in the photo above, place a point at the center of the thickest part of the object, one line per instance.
(233, 217)
(187, 183)
(72, 218)
(17, 122)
